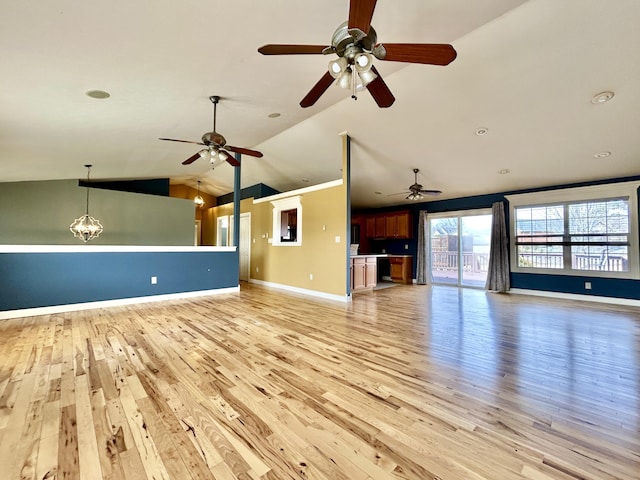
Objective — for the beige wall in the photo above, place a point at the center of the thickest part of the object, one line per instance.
(324, 217)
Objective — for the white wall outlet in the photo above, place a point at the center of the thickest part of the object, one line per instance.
(154, 280)
(406, 246)
(254, 240)
(324, 228)
(337, 238)
(257, 269)
(587, 285)
(311, 276)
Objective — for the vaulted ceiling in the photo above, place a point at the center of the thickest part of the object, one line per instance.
(526, 72)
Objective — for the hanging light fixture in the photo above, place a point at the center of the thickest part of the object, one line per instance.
(86, 227)
(198, 200)
(414, 196)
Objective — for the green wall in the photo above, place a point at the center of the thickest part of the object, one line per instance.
(39, 213)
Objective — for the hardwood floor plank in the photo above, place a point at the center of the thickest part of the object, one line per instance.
(414, 383)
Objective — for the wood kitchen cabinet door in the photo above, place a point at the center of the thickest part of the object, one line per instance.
(371, 272)
(370, 226)
(358, 273)
(398, 225)
(401, 269)
(364, 273)
(403, 225)
(381, 226)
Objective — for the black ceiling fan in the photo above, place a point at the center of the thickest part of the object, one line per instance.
(217, 149)
(354, 42)
(416, 191)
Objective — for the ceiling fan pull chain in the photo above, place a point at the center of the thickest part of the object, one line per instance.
(353, 86)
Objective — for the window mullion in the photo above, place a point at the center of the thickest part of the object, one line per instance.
(566, 247)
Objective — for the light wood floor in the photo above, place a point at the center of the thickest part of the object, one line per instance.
(411, 382)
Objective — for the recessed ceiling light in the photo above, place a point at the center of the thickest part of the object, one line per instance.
(602, 154)
(504, 171)
(482, 131)
(273, 115)
(99, 94)
(602, 97)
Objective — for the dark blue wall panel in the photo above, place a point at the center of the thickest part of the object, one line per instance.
(604, 287)
(158, 186)
(258, 190)
(31, 280)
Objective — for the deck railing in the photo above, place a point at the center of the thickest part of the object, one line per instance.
(479, 262)
(599, 262)
(472, 262)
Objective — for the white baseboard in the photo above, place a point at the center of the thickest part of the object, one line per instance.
(574, 296)
(304, 291)
(31, 312)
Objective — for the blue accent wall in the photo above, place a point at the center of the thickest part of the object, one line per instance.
(32, 280)
(258, 190)
(156, 186)
(604, 287)
(600, 286)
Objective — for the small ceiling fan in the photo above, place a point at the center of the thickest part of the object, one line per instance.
(416, 191)
(354, 42)
(217, 150)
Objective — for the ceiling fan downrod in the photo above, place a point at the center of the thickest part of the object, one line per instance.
(214, 99)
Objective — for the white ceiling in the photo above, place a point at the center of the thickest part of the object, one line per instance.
(526, 70)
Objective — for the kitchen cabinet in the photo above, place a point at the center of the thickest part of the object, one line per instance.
(370, 226)
(364, 272)
(401, 269)
(381, 226)
(398, 225)
(389, 225)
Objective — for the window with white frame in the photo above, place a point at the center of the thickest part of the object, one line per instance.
(577, 231)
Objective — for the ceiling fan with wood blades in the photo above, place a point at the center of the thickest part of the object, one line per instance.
(416, 191)
(355, 43)
(217, 150)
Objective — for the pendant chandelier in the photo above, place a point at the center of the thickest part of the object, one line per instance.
(198, 200)
(86, 227)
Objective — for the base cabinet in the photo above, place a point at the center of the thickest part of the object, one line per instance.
(401, 269)
(364, 273)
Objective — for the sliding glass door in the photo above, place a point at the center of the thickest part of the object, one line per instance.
(459, 247)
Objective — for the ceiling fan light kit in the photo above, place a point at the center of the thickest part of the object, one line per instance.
(355, 43)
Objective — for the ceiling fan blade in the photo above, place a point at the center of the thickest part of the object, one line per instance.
(425, 53)
(360, 14)
(431, 192)
(318, 89)
(191, 159)
(244, 151)
(397, 193)
(231, 160)
(281, 49)
(380, 92)
(181, 141)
